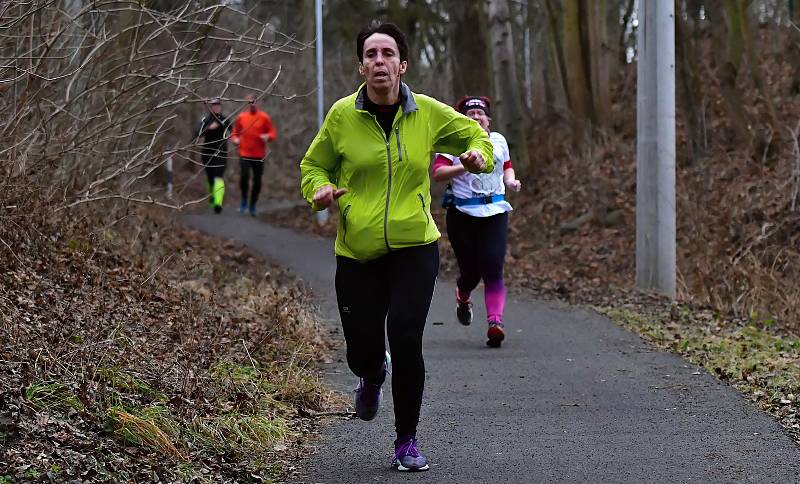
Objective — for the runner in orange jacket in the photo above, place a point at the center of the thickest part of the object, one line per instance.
(252, 131)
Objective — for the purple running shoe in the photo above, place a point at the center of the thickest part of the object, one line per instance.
(407, 456)
(368, 395)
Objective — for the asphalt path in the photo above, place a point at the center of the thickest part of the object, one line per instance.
(570, 397)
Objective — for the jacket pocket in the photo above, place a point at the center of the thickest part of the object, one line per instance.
(399, 147)
(422, 201)
(344, 222)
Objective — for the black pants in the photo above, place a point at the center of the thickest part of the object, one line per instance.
(392, 294)
(215, 166)
(257, 167)
(479, 244)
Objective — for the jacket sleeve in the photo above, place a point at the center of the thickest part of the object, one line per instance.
(320, 165)
(237, 129)
(201, 128)
(269, 128)
(227, 125)
(454, 133)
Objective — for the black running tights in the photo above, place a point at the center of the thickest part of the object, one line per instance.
(257, 167)
(389, 296)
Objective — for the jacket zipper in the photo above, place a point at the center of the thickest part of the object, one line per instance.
(422, 200)
(388, 197)
(388, 183)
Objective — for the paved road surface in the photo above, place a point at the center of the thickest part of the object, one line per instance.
(570, 397)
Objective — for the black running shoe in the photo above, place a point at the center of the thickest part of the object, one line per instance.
(464, 312)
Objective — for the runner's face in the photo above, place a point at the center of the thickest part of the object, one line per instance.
(381, 65)
(251, 101)
(216, 108)
(479, 116)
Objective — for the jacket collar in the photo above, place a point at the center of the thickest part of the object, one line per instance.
(407, 103)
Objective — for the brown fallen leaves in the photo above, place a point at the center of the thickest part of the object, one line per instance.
(133, 349)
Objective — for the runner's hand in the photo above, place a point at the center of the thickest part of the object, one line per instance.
(473, 161)
(264, 137)
(326, 195)
(514, 185)
(214, 125)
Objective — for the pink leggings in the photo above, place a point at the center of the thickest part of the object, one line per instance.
(480, 247)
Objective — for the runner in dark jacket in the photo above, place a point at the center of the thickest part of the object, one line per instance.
(214, 130)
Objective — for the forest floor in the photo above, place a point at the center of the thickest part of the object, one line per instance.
(143, 351)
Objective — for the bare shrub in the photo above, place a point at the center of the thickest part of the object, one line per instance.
(99, 93)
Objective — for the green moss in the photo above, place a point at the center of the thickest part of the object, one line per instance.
(124, 382)
(53, 396)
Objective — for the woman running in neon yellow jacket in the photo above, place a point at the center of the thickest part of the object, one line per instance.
(372, 156)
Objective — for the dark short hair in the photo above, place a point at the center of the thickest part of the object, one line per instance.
(390, 29)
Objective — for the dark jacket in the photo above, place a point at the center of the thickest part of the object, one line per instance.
(214, 141)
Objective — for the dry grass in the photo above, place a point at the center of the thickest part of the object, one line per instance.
(138, 332)
(147, 429)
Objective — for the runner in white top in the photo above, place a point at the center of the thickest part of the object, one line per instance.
(477, 222)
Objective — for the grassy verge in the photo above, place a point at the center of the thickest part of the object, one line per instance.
(761, 363)
(140, 350)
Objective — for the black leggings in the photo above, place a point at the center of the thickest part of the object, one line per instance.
(257, 166)
(215, 167)
(480, 247)
(393, 294)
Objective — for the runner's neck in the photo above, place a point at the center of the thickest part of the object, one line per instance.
(392, 96)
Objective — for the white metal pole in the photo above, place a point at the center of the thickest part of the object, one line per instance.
(320, 87)
(170, 174)
(322, 215)
(655, 148)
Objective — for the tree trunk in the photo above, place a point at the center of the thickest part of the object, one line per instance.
(527, 49)
(507, 110)
(729, 73)
(541, 102)
(691, 96)
(471, 66)
(406, 16)
(794, 46)
(755, 70)
(580, 97)
(308, 59)
(556, 52)
(598, 60)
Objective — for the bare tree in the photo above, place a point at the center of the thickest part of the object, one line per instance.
(102, 90)
(469, 48)
(598, 59)
(687, 37)
(508, 100)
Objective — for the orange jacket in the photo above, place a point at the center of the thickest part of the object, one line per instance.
(247, 131)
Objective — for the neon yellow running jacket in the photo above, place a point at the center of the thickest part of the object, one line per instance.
(387, 205)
